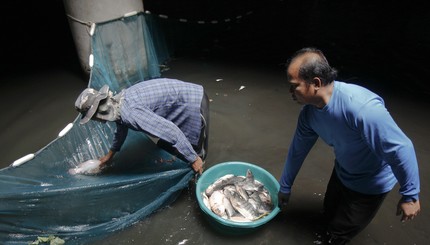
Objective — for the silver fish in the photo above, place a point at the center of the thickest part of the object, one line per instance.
(216, 202)
(219, 184)
(206, 200)
(229, 210)
(242, 206)
(261, 207)
(238, 198)
(241, 191)
(249, 183)
(265, 197)
(88, 167)
(239, 218)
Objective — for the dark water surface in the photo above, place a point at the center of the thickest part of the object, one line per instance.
(253, 125)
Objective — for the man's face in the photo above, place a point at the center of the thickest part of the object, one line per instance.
(299, 89)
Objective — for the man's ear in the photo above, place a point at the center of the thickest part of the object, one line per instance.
(317, 83)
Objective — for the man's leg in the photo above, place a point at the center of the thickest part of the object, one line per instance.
(202, 148)
(348, 212)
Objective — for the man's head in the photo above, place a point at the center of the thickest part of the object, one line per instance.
(307, 72)
(88, 102)
(312, 63)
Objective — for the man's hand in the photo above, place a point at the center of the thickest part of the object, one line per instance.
(283, 199)
(408, 210)
(198, 165)
(105, 160)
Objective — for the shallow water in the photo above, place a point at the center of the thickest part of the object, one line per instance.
(378, 46)
(254, 124)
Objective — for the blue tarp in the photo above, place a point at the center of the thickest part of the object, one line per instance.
(40, 197)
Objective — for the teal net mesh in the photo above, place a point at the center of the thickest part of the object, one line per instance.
(40, 197)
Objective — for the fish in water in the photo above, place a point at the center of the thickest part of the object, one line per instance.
(87, 168)
(238, 198)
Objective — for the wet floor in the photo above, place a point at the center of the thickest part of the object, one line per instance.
(40, 80)
(253, 124)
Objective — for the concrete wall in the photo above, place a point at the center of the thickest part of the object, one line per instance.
(90, 11)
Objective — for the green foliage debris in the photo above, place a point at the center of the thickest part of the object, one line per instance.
(51, 240)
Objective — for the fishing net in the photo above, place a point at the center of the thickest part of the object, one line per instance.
(40, 197)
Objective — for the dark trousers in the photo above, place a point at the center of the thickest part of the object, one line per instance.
(202, 147)
(347, 212)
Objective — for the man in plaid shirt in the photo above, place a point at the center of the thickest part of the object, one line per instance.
(173, 111)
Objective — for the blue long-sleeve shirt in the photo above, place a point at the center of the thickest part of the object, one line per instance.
(372, 153)
(166, 108)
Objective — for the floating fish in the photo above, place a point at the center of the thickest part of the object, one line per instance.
(87, 168)
(238, 198)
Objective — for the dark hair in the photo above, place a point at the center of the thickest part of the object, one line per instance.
(314, 66)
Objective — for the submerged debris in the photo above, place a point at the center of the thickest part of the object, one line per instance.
(51, 240)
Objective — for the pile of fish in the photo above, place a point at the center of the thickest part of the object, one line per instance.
(238, 198)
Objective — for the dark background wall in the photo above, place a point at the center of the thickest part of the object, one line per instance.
(35, 36)
(382, 43)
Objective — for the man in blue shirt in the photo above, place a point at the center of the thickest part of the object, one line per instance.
(172, 111)
(372, 153)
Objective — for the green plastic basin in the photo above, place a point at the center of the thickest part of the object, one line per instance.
(237, 168)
